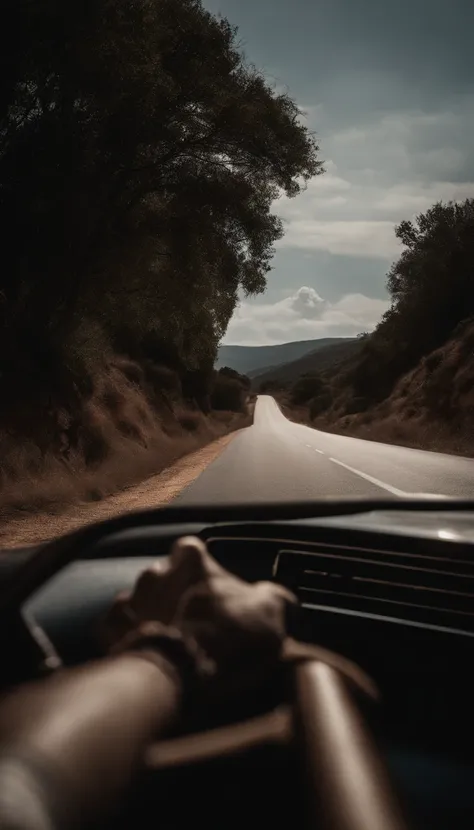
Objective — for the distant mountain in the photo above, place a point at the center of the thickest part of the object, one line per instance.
(250, 360)
(255, 372)
(330, 354)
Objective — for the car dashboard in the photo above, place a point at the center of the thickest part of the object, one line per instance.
(399, 604)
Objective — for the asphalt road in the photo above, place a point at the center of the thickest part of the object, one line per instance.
(277, 460)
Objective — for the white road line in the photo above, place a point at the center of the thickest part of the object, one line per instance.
(310, 447)
(394, 490)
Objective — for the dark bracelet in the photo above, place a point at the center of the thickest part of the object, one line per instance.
(185, 656)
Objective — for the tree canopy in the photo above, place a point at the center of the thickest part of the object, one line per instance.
(432, 290)
(140, 156)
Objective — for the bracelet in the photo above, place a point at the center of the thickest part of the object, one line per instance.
(191, 663)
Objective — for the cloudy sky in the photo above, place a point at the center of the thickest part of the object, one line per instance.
(389, 89)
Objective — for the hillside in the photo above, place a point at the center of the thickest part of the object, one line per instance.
(412, 380)
(431, 407)
(252, 359)
(318, 360)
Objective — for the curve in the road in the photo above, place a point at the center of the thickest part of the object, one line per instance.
(278, 460)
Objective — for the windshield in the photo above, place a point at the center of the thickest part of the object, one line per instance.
(237, 255)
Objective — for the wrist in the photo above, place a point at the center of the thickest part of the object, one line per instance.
(165, 665)
(166, 647)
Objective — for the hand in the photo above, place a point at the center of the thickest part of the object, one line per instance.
(239, 626)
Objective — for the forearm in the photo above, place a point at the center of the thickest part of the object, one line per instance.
(93, 723)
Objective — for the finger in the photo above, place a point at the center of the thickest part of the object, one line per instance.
(275, 603)
(191, 554)
(148, 589)
(117, 622)
(283, 593)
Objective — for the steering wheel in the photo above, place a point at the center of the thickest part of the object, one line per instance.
(347, 784)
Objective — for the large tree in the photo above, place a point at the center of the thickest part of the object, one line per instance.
(140, 156)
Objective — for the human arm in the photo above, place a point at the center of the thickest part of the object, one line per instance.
(88, 727)
(79, 736)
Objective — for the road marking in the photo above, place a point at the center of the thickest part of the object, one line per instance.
(310, 447)
(394, 490)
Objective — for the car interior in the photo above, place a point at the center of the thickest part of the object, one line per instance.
(312, 751)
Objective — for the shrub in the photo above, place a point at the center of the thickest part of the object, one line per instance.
(356, 405)
(190, 421)
(433, 360)
(306, 388)
(228, 394)
(162, 378)
(319, 404)
(132, 371)
(231, 373)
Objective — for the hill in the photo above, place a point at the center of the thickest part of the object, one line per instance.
(430, 407)
(252, 359)
(318, 360)
(412, 380)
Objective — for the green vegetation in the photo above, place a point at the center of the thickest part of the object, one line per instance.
(230, 391)
(432, 290)
(326, 353)
(412, 380)
(139, 159)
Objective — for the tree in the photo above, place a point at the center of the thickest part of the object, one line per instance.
(432, 289)
(140, 157)
(306, 388)
(434, 274)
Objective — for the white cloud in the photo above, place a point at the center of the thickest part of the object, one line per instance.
(351, 238)
(303, 316)
(391, 169)
(408, 199)
(358, 219)
(380, 169)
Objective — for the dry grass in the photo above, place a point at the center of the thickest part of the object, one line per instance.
(122, 438)
(154, 491)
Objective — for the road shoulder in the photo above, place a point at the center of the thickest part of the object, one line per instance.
(155, 491)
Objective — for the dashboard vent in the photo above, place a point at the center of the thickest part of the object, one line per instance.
(423, 588)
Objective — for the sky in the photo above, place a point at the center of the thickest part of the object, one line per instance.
(389, 90)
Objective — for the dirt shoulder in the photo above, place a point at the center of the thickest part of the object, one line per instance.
(157, 490)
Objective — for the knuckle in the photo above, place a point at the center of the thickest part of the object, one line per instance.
(153, 571)
(191, 551)
(148, 578)
(198, 601)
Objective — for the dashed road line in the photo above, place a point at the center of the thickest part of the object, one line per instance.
(310, 447)
(393, 490)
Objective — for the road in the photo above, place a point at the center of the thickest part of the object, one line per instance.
(277, 460)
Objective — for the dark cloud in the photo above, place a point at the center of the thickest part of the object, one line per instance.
(325, 45)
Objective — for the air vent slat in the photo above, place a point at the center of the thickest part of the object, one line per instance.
(366, 581)
(384, 606)
(359, 586)
(370, 568)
